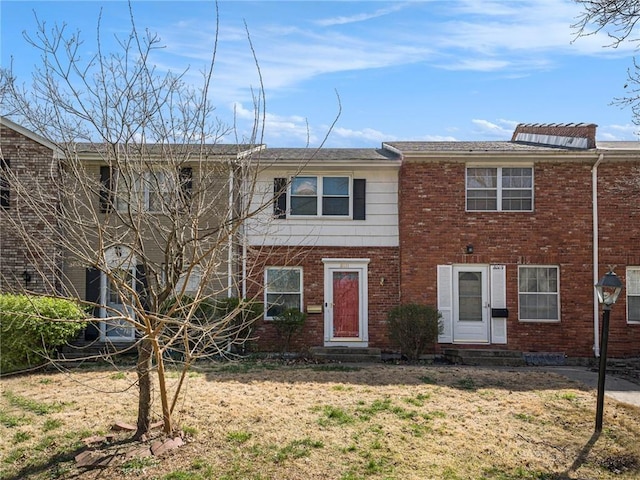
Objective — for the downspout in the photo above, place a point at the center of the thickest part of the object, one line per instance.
(596, 304)
(230, 237)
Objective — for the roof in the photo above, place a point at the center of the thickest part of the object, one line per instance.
(327, 154)
(466, 147)
(28, 133)
(218, 149)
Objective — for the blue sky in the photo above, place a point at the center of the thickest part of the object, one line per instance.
(415, 70)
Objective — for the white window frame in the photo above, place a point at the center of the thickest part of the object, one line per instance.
(633, 290)
(499, 189)
(320, 195)
(300, 291)
(141, 192)
(557, 294)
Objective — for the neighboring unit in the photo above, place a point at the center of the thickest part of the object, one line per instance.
(509, 238)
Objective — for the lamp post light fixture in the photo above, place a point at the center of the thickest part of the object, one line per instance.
(608, 290)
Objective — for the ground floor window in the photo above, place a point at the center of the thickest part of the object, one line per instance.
(283, 290)
(538, 293)
(633, 294)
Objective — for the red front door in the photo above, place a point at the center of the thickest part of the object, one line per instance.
(346, 304)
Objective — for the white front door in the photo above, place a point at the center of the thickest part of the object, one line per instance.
(345, 305)
(117, 325)
(470, 304)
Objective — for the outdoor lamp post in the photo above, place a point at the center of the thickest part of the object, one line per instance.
(608, 290)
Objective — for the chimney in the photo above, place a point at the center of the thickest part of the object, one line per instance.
(571, 135)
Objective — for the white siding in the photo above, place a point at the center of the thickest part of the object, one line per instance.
(380, 229)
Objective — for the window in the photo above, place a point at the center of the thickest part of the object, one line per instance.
(147, 191)
(538, 294)
(5, 191)
(283, 290)
(500, 189)
(325, 196)
(633, 294)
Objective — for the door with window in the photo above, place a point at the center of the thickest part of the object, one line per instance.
(470, 304)
(117, 325)
(346, 310)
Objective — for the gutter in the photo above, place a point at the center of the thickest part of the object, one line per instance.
(596, 304)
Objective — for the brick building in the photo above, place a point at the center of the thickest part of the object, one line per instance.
(505, 238)
(512, 236)
(30, 257)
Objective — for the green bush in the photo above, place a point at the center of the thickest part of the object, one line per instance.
(414, 327)
(287, 324)
(30, 327)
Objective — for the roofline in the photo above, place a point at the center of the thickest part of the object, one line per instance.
(32, 135)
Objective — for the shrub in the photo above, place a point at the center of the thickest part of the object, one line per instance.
(232, 318)
(414, 327)
(287, 324)
(30, 327)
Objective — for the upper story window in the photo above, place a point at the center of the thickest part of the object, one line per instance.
(148, 191)
(500, 189)
(320, 196)
(633, 294)
(538, 293)
(283, 290)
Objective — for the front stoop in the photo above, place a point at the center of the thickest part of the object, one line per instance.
(346, 354)
(482, 357)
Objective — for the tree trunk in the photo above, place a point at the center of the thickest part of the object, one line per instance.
(143, 370)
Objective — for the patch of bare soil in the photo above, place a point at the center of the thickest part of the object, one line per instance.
(268, 421)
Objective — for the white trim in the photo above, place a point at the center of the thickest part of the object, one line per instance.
(361, 266)
(320, 177)
(499, 189)
(266, 290)
(632, 293)
(557, 293)
(498, 292)
(471, 332)
(104, 303)
(445, 302)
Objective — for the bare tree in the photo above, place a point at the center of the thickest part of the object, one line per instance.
(618, 19)
(147, 199)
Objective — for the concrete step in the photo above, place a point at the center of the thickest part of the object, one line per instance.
(346, 354)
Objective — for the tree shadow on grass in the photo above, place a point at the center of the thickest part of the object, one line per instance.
(113, 452)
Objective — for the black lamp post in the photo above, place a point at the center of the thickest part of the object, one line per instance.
(608, 290)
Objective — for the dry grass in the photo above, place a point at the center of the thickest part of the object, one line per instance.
(267, 421)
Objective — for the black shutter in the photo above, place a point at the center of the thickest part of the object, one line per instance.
(280, 197)
(92, 295)
(106, 189)
(5, 191)
(186, 184)
(142, 286)
(359, 199)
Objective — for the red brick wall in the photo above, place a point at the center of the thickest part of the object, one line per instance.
(384, 263)
(31, 164)
(435, 229)
(619, 230)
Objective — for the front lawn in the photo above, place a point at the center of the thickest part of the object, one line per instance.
(263, 421)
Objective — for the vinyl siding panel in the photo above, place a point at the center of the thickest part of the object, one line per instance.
(380, 229)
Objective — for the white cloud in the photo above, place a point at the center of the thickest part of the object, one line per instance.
(293, 128)
(368, 134)
(500, 128)
(612, 133)
(360, 17)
